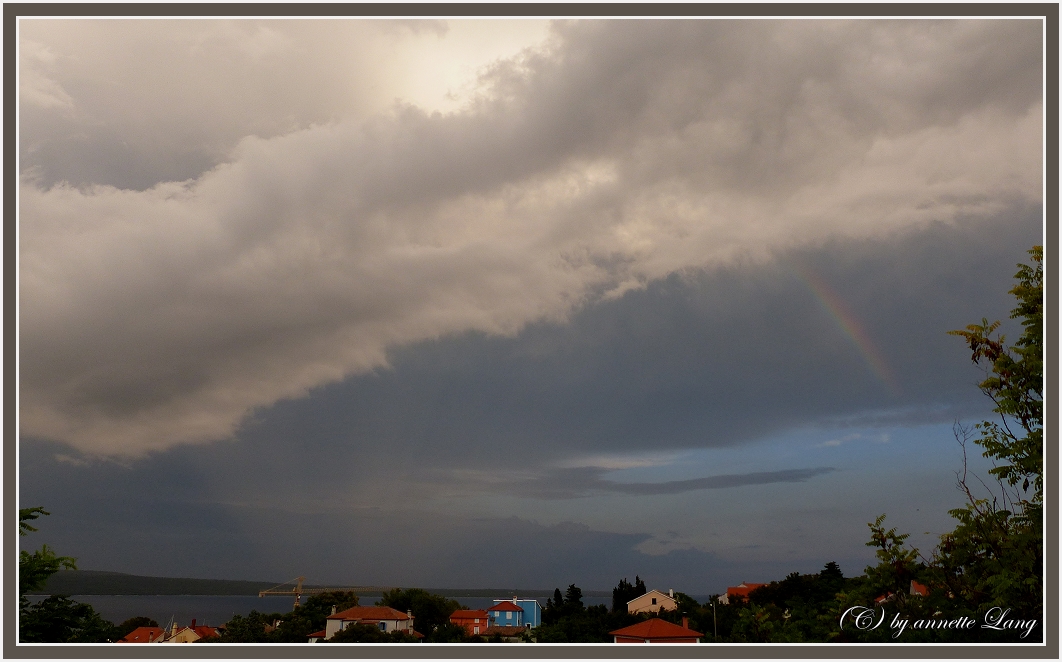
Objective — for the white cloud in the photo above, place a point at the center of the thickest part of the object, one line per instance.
(329, 234)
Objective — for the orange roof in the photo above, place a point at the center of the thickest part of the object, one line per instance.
(919, 589)
(370, 613)
(743, 589)
(142, 635)
(316, 635)
(469, 613)
(505, 606)
(205, 631)
(656, 628)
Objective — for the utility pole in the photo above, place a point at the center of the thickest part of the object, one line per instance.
(715, 628)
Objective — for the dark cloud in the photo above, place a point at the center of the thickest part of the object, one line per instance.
(171, 531)
(583, 481)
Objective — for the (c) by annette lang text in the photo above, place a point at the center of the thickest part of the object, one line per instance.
(996, 618)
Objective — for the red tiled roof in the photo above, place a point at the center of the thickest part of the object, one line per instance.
(919, 589)
(744, 589)
(141, 635)
(370, 613)
(205, 631)
(505, 606)
(656, 628)
(316, 635)
(469, 613)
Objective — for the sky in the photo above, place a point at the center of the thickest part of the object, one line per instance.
(511, 303)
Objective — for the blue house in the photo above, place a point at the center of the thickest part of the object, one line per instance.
(516, 613)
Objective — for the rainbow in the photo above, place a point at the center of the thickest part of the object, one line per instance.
(849, 323)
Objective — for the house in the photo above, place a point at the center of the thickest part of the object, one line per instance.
(385, 618)
(506, 614)
(740, 591)
(656, 631)
(652, 602)
(144, 635)
(531, 617)
(314, 637)
(474, 621)
(191, 633)
(920, 590)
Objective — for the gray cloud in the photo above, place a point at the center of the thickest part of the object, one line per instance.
(584, 481)
(326, 235)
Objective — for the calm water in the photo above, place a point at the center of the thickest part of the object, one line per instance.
(218, 609)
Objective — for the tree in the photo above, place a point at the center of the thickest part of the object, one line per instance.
(1014, 382)
(448, 633)
(57, 618)
(994, 556)
(35, 569)
(430, 611)
(625, 592)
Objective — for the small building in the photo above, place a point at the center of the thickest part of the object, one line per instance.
(385, 618)
(531, 617)
(652, 602)
(474, 621)
(656, 631)
(314, 637)
(918, 589)
(191, 634)
(741, 591)
(506, 614)
(144, 635)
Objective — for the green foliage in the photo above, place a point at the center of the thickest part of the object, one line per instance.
(292, 627)
(254, 628)
(58, 619)
(800, 608)
(897, 565)
(994, 556)
(1014, 382)
(35, 568)
(27, 515)
(625, 592)
(130, 624)
(448, 633)
(430, 611)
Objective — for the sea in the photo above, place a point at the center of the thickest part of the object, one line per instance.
(218, 609)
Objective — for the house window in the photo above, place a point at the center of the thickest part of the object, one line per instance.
(508, 615)
(476, 629)
(654, 601)
(383, 627)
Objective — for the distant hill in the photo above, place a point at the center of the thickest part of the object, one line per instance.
(102, 582)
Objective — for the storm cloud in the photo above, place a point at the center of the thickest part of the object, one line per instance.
(320, 237)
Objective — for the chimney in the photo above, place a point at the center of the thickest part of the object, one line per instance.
(671, 592)
(333, 610)
(686, 622)
(173, 629)
(193, 623)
